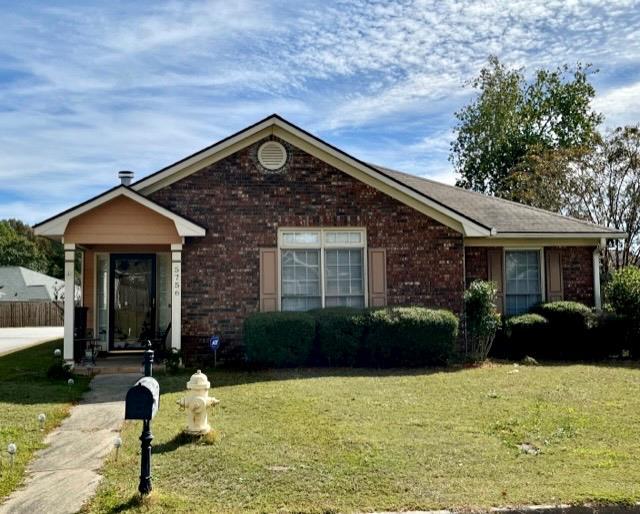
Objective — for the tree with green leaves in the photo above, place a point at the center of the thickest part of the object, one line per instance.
(513, 119)
(19, 246)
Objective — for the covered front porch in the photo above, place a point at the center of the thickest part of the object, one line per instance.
(123, 267)
(128, 294)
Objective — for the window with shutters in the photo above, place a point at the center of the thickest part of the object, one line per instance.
(322, 268)
(523, 280)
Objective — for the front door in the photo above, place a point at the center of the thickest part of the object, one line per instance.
(133, 295)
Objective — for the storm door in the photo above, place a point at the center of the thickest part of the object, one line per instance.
(133, 301)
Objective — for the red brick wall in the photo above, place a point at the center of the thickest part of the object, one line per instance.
(242, 207)
(476, 264)
(577, 273)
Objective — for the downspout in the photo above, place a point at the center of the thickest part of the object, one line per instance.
(597, 293)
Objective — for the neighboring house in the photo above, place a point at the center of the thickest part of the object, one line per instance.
(273, 218)
(18, 284)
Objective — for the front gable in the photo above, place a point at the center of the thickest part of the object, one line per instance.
(274, 126)
(118, 211)
(305, 192)
(121, 221)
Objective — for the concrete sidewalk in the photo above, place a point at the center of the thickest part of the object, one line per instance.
(65, 475)
(19, 338)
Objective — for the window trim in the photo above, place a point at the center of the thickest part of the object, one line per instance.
(540, 250)
(322, 231)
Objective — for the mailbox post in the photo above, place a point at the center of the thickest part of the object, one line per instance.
(142, 402)
(145, 458)
(148, 360)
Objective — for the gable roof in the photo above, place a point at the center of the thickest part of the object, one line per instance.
(506, 217)
(472, 214)
(56, 225)
(278, 126)
(22, 284)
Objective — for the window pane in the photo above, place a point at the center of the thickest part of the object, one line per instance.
(332, 287)
(345, 301)
(343, 278)
(300, 280)
(522, 280)
(301, 237)
(287, 258)
(301, 303)
(343, 237)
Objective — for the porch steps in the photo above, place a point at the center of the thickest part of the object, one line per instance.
(115, 365)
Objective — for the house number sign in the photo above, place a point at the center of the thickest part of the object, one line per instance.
(176, 279)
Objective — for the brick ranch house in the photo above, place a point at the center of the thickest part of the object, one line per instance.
(273, 218)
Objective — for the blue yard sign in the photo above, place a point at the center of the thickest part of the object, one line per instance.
(214, 342)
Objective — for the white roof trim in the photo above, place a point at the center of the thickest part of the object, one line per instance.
(246, 137)
(56, 226)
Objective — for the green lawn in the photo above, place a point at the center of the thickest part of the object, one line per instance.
(26, 392)
(349, 440)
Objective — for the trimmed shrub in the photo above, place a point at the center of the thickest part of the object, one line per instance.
(623, 297)
(523, 335)
(482, 319)
(279, 339)
(409, 336)
(339, 335)
(568, 335)
(609, 336)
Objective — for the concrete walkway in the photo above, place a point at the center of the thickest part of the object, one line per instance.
(14, 339)
(65, 475)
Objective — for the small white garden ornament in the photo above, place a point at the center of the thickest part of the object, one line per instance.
(117, 443)
(12, 449)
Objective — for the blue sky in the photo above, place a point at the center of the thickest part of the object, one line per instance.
(88, 88)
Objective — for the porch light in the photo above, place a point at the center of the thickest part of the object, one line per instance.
(57, 352)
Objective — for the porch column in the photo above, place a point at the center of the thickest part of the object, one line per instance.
(69, 300)
(176, 295)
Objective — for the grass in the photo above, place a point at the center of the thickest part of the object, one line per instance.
(25, 392)
(354, 440)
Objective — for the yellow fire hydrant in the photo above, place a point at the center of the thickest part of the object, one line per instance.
(196, 403)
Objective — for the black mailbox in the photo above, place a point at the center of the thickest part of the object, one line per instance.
(143, 399)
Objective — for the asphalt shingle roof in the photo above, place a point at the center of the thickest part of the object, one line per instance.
(22, 284)
(503, 215)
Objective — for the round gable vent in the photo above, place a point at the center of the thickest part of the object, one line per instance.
(272, 155)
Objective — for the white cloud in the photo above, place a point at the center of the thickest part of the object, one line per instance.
(88, 89)
(621, 105)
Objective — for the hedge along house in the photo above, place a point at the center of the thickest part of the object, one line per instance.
(273, 218)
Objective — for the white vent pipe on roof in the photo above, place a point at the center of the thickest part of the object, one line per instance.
(125, 177)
